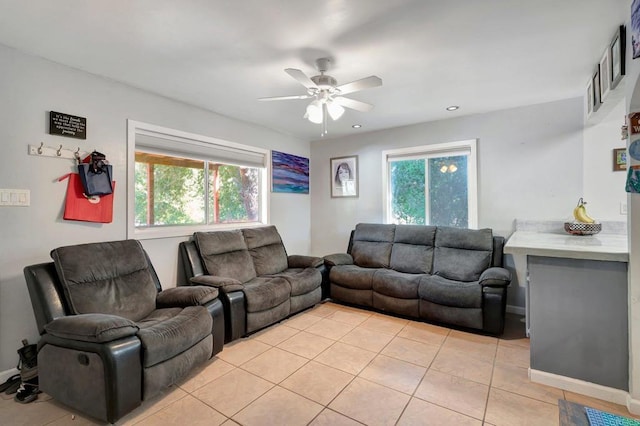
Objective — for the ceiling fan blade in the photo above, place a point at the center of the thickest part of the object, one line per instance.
(301, 77)
(363, 83)
(353, 104)
(284, 98)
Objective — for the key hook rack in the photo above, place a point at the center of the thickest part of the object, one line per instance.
(55, 152)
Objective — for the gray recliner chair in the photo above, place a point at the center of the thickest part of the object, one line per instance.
(110, 336)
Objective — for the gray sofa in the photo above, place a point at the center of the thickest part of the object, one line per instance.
(440, 274)
(110, 336)
(259, 283)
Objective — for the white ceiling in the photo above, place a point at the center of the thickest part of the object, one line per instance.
(222, 55)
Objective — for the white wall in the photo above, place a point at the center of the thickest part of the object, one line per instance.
(29, 88)
(529, 167)
(604, 188)
(529, 162)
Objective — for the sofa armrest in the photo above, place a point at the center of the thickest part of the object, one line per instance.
(224, 284)
(338, 259)
(495, 277)
(298, 261)
(97, 328)
(181, 297)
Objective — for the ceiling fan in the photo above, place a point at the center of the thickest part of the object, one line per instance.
(327, 95)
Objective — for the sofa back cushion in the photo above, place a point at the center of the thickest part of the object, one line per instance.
(266, 250)
(412, 250)
(372, 244)
(112, 278)
(225, 254)
(462, 254)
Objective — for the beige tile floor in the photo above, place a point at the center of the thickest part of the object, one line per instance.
(336, 365)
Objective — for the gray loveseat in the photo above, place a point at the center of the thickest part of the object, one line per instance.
(110, 336)
(439, 274)
(259, 283)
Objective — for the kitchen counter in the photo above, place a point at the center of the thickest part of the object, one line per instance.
(576, 307)
(602, 246)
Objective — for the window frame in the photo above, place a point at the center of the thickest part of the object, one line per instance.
(468, 147)
(135, 128)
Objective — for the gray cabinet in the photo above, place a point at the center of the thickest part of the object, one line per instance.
(578, 319)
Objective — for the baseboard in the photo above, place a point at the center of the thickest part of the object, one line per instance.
(633, 405)
(519, 310)
(593, 390)
(4, 375)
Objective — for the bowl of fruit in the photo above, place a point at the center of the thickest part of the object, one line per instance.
(583, 224)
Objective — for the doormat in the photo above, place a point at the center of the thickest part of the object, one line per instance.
(601, 418)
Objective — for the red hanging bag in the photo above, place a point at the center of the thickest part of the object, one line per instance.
(80, 207)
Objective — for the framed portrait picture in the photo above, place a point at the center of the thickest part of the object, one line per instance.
(589, 98)
(619, 159)
(617, 49)
(605, 80)
(596, 89)
(344, 176)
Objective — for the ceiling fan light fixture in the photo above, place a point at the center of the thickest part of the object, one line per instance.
(326, 94)
(314, 112)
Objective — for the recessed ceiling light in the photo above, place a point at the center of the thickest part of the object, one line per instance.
(357, 126)
(453, 108)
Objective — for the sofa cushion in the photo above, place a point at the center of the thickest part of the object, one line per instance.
(168, 332)
(352, 276)
(396, 284)
(225, 254)
(412, 250)
(462, 254)
(266, 249)
(108, 278)
(447, 292)
(263, 293)
(302, 281)
(372, 245)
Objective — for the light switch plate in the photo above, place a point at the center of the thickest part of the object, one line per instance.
(15, 197)
(623, 208)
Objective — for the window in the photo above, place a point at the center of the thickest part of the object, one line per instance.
(431, 185)
(184, 182)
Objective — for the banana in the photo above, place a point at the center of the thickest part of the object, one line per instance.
(580, 213)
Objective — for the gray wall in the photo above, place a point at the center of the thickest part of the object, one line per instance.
(529, 167)
(30, 87)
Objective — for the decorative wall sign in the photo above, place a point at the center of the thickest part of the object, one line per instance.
(634, 150)
(67, 125)
(289, 173)
(634, 123)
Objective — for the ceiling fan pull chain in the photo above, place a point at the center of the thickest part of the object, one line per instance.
(324, 119)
